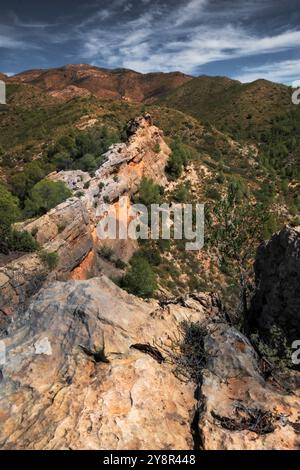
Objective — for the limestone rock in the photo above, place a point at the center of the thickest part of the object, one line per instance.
(87, 368)
(64, 230)
(72, 380)
(240, 410)
(144, 154)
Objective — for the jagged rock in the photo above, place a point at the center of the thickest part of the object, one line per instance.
(88, 368)
(124, 166)
(72, 381)
(276, 300)
(64, 230)
(75, 180)
(144, 154)
(239, 409)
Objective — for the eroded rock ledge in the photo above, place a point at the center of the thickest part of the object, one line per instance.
(72, 379)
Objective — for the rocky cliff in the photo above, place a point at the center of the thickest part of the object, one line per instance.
(276, 300)
(69, 230)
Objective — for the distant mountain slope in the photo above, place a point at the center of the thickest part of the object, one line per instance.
(230, 104)
(111, 84)
(3, 76)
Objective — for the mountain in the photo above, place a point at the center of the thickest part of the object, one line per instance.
(3, 77)
(229, 104)
(109, 84)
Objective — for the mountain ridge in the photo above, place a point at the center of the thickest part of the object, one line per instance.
(121, 84)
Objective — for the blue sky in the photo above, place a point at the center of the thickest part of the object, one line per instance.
(241, 39)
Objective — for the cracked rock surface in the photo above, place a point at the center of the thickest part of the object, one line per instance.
(72, 379)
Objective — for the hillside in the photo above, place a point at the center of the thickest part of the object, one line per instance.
(229, 104)
(117, 84)
(125, 363)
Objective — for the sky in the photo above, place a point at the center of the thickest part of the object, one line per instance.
(241, 39)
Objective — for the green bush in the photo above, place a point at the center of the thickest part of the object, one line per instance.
(33, 172)
(151, 254)
(9, 213)
(86, 163)
(177, 161)
(140, 280)
(148, 193)
(22, 241)
(63, 161)
(50, 260)
(212, 193)
(106, 252)
(182, 193)
(44, 196)
(9, 208)
(156, 148)
(119, 264)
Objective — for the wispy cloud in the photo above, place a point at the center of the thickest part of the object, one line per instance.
(164, 35)
(285, 71)
(29, 24)
(162, 40)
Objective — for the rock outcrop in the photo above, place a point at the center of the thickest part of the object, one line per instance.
(70, 229)
(73, 380)
(241, 408)
(276, 300)
(145, 153)
(66, 231)
(87, 367)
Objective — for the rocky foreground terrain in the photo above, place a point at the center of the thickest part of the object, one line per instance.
(89, 366)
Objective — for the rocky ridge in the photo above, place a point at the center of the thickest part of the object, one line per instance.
(82, 80)
(87, 367)
(70, 228)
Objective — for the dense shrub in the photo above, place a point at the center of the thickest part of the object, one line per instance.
(22, 241)
(87, 163)
(44, 196)
(177, 161)
(50, 260)
(156, 148)
(10, 239)
(150, 253)
(182, 193)
(213, 193)
(148, 193)
(33, 172)
(9, 212)
(140, 279)
(119, 264)
(82, 150)
(106, 252)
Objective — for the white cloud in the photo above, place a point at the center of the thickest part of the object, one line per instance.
(11, 43)
(177, 39)
(188, 12)
(170, 36)
(286, 71)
